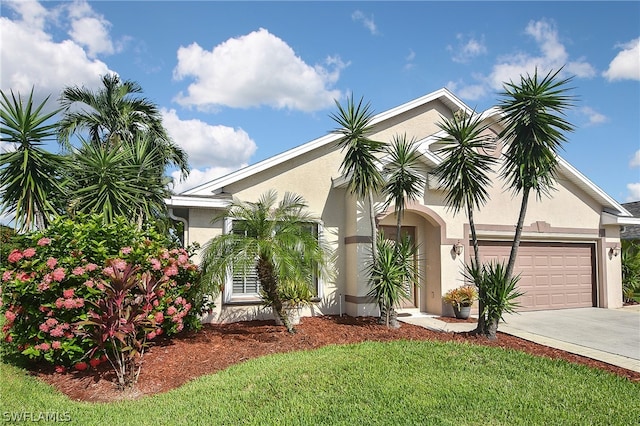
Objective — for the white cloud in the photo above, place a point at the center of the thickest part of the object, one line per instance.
(90, 29)
(626, 64)
(32, 13)
(368, 22)
(30, 56)
(634, 188)
(207, 145)
(255, 69)
(593, 116)
(634, 192)
(635, 161)
(552, 56)
(7, 146)
(7, 219)
(198, 177)
(409, 64)
(469, 92)
(467, 48)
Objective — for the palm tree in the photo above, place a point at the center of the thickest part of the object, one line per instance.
(118, 180)
(464, 173)
(113, 114)
(29, 178)
(534, 130)
(464, 170)
(404, 180)
(275, 240)
(360, 163)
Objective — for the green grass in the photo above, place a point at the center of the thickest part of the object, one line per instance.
(410, 383)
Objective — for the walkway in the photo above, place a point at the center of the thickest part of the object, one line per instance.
(608, 335)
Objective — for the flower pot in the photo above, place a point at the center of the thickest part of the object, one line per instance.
(293, 314)
(462, 312)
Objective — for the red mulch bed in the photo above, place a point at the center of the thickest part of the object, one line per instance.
(170, 364)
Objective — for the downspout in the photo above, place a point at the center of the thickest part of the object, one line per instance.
(185, 222)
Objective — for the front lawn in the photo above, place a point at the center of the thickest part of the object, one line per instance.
(369, 383)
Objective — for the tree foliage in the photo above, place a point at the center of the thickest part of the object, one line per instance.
(29, 175)
(534, 131)
(360, 162)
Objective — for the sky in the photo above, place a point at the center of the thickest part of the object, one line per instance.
(239, 82)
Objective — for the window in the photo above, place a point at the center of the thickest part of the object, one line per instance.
(243, 286)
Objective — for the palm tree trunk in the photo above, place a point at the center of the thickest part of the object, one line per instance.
(399, 226)
(482, 326)
(374, 228)
(518, 235)
(269, 284)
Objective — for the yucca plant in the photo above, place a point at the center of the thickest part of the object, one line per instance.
(29, 175)
(392, 273)
(500, 292)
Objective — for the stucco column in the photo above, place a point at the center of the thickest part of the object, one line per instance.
(357, 243)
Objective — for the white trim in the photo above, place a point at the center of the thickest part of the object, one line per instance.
(206, 202)
(610, 219)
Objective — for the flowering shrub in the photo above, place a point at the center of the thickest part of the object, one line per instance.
(53, 280)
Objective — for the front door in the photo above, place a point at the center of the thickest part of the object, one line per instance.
(390, 233)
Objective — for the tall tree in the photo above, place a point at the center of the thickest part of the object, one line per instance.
(464, 170)
(404, 180)
(29, 178)
(275, 240)
(118, 180)
(464, 174)
(115, 113)
(360, 163)
(534, 130)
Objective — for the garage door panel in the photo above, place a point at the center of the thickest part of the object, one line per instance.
(557, 262)
(552, 275)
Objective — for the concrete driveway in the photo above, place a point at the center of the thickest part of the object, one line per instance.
(610, 331)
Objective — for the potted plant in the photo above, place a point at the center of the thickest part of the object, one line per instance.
(294, 295)
(461, 299)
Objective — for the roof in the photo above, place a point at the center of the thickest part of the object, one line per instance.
(205, 195)
(632, 232)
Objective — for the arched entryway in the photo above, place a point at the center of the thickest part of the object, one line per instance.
(427, 230)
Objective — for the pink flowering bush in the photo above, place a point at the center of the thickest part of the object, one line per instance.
(53, 281)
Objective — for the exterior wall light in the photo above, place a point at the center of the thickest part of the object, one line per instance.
(614, 251)
(457, 248)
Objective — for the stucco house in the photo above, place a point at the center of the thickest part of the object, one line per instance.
(567, 258)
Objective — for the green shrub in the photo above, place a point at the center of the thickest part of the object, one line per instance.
(55, 278)
(630, 270)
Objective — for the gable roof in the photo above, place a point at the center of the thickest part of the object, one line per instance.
(204, 195)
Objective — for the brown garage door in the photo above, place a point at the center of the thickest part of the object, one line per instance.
(552, 275)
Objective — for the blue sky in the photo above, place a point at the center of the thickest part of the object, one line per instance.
(239, 82)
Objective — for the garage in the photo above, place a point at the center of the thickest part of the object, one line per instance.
(552, 275)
